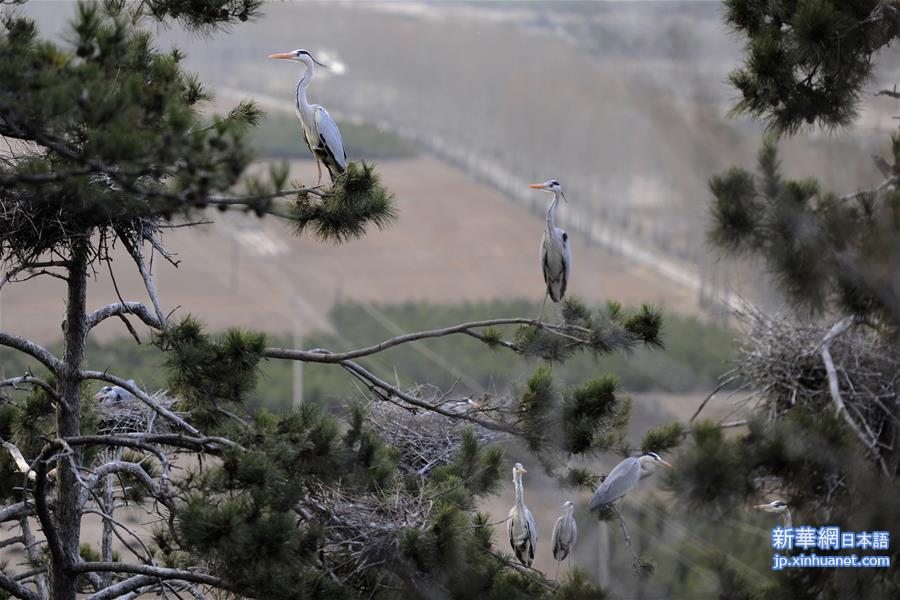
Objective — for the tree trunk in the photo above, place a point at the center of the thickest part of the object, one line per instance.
(68, 422)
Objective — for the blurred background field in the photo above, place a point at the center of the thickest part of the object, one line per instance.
(460, 105)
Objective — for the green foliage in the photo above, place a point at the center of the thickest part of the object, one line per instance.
(806, 62)
(607, 330)
(577, 586)
(114, 122)
(355, 200)
(663, 438)
(824, 252)
(206, 371)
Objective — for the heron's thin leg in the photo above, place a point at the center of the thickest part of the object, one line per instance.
(557, 571)
(543, 304)
(319, 169)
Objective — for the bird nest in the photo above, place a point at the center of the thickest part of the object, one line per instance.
(782, 360)
(134, 416)
(366, 528)
(424, 439)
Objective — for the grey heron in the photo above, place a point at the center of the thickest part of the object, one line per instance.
(110, 394)
(319, 129)
(565, 532)
(624, 477)
(779, 507)
(556, 253)
(520, 525)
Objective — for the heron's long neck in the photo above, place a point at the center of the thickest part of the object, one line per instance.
(551, 213)
(520, 492)
(302, 102)
(786, 516)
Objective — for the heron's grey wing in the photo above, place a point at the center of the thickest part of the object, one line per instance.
(532, 532)
(554, 537)
(331, 137)
(567, 262)
(545, 259)
(620, 480)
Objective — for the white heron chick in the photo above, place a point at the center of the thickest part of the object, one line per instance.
(520, 525)
(778, 507)
(565, 532)
(111, 394)
(319, 129)
(556, 253)
(624, 477)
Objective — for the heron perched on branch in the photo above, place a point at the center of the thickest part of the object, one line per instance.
(624, 477)
(556, 253)
(520, 525)
(110, 394)
(319, 129)
(565, 531)
(780, 507)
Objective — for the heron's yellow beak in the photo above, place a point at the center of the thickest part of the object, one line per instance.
(665, 464)
(536, 186)
(524, 470)
(761, 506)
(282, 55)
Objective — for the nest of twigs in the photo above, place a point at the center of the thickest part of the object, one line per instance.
(133, 416)
(782, 361)
(365, 529)
(425, 439)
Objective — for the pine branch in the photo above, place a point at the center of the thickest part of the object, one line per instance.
(325, 356)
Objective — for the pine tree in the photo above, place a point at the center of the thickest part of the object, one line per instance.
(107, 146)
(824, 434)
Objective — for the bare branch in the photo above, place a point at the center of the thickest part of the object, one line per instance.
(119, 309)
(32, 380)
(134, 249)
(28, 266)
(834, 387)
(33, 555)
(10, 585)
(149, 570)
(374, 381)
(37, 352)
(15, 512)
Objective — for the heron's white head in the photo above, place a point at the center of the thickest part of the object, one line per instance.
(651, 460)
(518, 470)
(551, 185)
(568, 505)
(298, 55)
(106, 394)
(775, 506)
